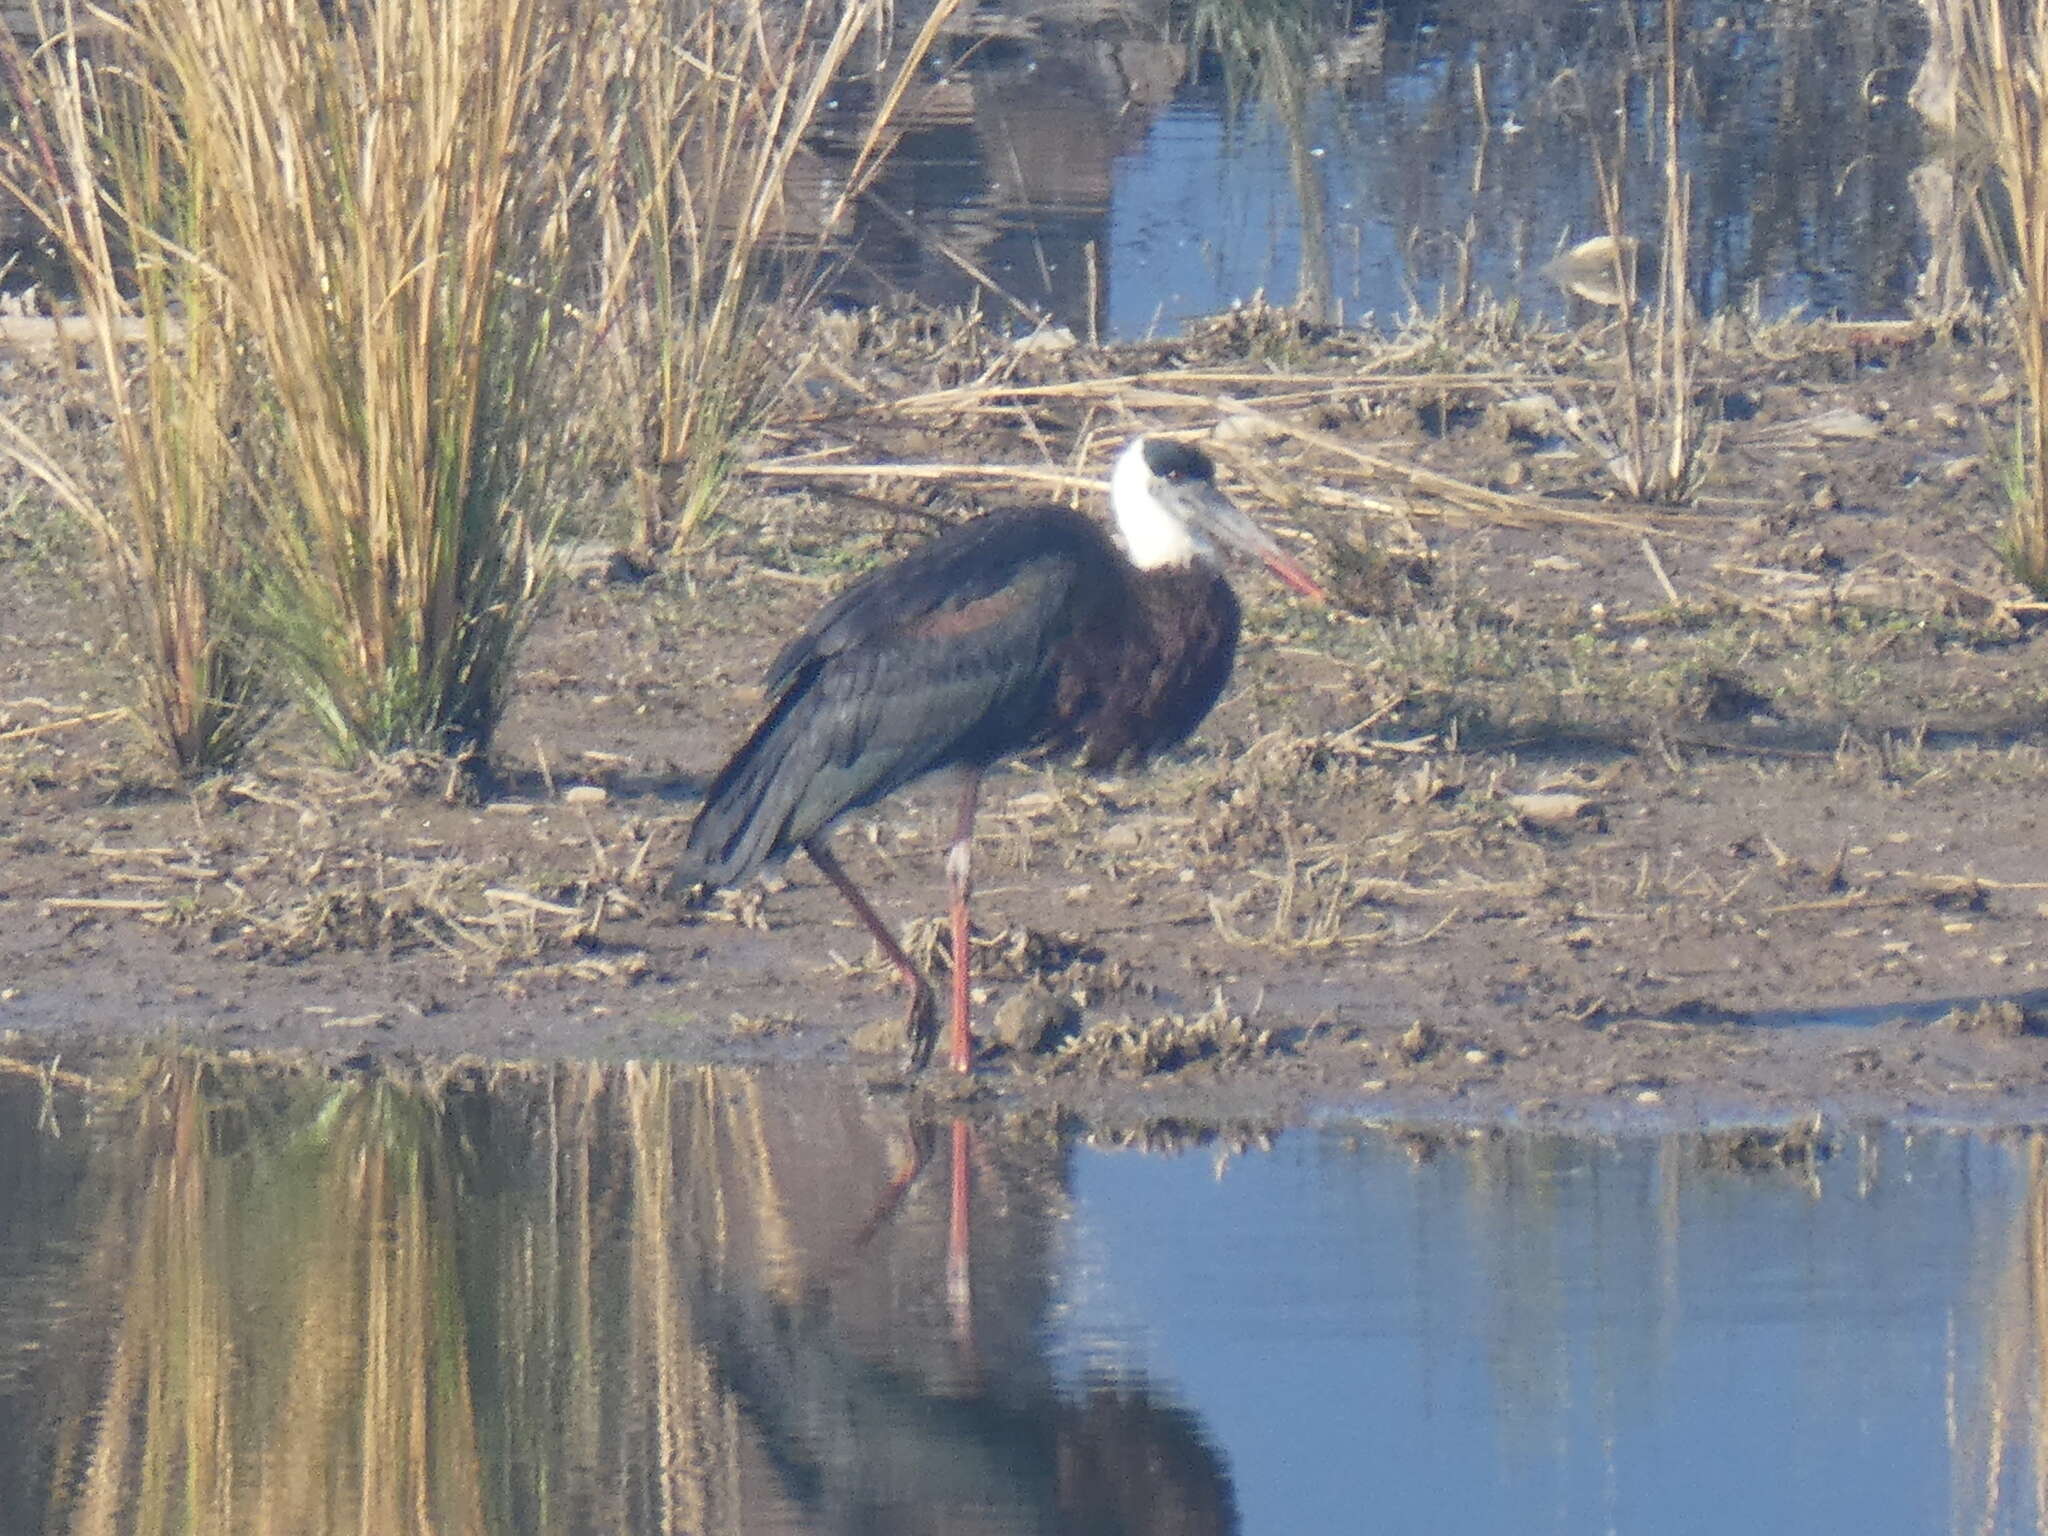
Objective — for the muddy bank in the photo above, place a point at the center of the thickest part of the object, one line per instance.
(1567, 807)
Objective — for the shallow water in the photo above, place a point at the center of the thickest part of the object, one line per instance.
(641, 1298)
(1108, 165)
(1093, 162)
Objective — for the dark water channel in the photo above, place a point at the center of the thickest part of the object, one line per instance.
(1131, 163)
(639, 1298)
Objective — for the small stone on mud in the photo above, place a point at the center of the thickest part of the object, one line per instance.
(1244, 427)
(2001, 1017)
(1034, 1020)
(1047, 341)
(1842, 424)
(357, 1021)
(1530, 415)
(1417, 1041)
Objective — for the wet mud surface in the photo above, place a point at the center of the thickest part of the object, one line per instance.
(1567, 808)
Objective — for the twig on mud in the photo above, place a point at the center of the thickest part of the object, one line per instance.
(1351, 733)
(104, 904)
(1000, 474)
(1859, 899)
(1663, 576)
(802, 579)
(1955, 884)
(256, 794)
(1424, 937)
(1385, 887)
(49, 727)
(511, 898)
(1461, 496)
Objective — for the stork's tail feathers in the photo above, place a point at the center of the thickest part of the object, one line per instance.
(744, 822)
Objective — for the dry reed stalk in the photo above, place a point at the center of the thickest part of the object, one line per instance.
(98, 164)
(1466, 498)
(998, 474)
(1269, 50)
(699, 112)
(1271, 389)
(2002, 110)
(49, 727)
(1654, 439)
(1460, 497)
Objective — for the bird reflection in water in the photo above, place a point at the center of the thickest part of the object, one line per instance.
(982, 1441)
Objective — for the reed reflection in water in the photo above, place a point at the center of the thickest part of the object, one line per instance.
(637, 1297)
(1544, 1332)
(619, 1299)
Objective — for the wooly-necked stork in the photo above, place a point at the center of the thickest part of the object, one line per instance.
(1028, 630)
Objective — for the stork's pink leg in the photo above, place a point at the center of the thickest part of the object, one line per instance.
(960, 885)
(918, 1024)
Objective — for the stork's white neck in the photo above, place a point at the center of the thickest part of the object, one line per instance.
(1153, 535)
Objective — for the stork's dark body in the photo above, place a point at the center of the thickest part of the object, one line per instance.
(1024, 631)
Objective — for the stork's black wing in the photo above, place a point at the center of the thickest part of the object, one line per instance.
(944, 658)
(964, 566)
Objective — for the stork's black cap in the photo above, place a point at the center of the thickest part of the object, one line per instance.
(1177, 461)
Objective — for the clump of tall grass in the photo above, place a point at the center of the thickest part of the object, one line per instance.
(1655, 438)
(2001, 113)
(349, 233)
(700, 112)
(345, 229)
(391, 227)
(96, 161)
